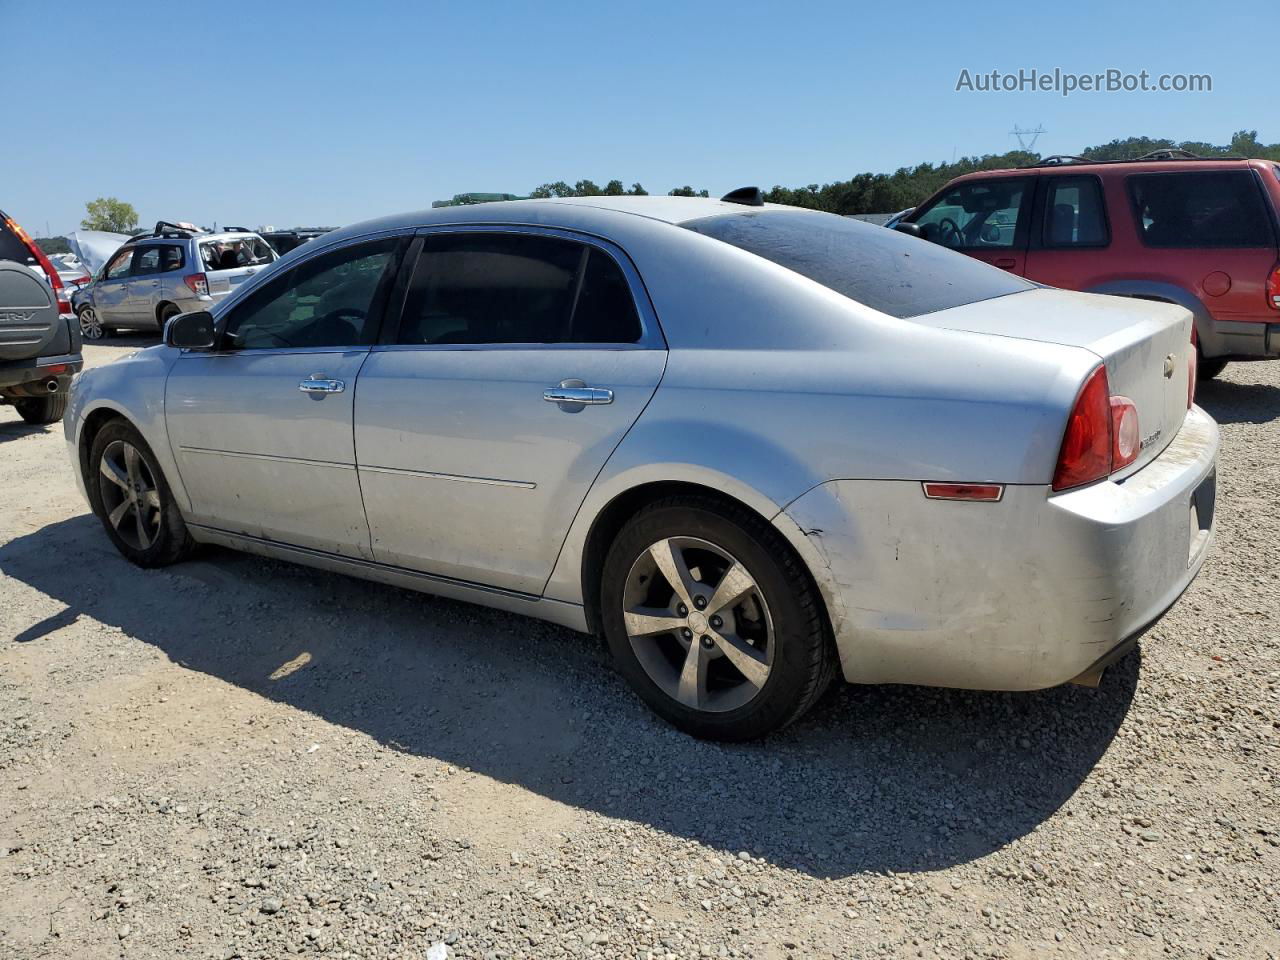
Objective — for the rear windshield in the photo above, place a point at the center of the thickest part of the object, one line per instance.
(11, 248)
(1210, 209)
(886, 270)
(233, 252)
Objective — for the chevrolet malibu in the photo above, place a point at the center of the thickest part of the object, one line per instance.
(751, 445)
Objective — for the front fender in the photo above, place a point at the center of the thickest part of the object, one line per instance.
(133, 388)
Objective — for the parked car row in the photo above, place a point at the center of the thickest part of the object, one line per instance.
(1172, 227)
(753, 446)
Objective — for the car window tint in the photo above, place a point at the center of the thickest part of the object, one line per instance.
(493, 288)
(12, 247)
(119, 265)
(883, 269)
(231, 253)
(328, 301)
(146, 260)
(1074, 215)
(171, 258)
(981, 215)
(1201, 209)
(605, 311)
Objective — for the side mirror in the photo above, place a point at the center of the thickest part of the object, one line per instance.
(910, 229)
(191, 331)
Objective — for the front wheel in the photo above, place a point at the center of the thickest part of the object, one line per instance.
(713, 621)
(132, 499)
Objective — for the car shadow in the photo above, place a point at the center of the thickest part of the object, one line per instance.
(957, 774)
(17, 427)
(1228, 401)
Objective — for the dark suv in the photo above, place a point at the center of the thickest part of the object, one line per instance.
(39, 339)
(1202, 233)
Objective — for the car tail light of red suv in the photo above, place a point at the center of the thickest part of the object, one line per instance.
(1273, 288)
(1102, 435)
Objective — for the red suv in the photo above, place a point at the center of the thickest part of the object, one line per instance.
(1200, 232)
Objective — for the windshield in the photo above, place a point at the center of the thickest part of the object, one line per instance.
(886, 270)
(229, 253)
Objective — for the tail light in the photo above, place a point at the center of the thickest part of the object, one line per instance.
(1126, 441)
(198, 283)
(1102, 435)
(55, 281)
(1273, 288)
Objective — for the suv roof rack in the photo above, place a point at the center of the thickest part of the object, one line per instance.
(1164, 153)
(172, 231)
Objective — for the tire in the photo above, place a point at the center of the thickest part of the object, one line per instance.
(160, 537)
(167, 313)
(91, 326)
(775, 629)
(1208, 369)
(42, 409)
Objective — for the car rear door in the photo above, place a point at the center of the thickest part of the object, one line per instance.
(1070, 233)
(261, 427)
(522, 358)
(988, 219)
(142, 285)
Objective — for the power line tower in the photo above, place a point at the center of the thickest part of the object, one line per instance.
(1025, 144)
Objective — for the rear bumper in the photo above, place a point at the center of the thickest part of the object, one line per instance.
(1239, 339)
(19, 372)
(1025, 593)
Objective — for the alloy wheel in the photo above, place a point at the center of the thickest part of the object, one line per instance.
(699, 624)
(130, 496)
(90, 325)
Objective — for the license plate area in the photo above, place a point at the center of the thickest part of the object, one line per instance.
(1200, 522)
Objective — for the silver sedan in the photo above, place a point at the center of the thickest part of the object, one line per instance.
(753, 446)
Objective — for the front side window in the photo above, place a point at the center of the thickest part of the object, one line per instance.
(333, 300)
(485, 288)
(118, 268)
(1201, 209)
(975, 215)
(883, 269)
(1074, 215)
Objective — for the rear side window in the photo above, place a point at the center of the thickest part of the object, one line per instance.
(886, 270)
(517, 288)
(231, 253)
(1210, 209)
(1074, 213)
(146, 260)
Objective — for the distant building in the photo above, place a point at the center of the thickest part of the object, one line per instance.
(464, 199)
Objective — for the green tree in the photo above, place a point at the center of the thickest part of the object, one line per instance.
(687, 191)
(638, 191)
(108, 213)
(53, 244)
(614, 188)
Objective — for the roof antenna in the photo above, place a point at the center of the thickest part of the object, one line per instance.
(747, 196)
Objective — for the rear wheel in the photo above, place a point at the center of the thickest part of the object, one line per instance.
(1208, 369)
(167, 313)
(132, 499)
(91, 327)
(42, 409)
(713, 620)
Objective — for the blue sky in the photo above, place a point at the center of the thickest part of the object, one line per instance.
(331, 111)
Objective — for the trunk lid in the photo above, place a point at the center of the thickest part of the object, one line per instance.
(231, 260)
(1146, 347)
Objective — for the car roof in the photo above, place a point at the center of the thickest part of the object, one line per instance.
(1118, 167)
(604, 216)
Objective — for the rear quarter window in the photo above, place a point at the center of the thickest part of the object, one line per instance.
(1201, 209)
(888, 271)
(12, 248)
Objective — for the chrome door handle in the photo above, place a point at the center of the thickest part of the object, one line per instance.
(321, 385)
(584, 395)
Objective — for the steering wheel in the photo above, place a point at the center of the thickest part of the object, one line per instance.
(949, 232)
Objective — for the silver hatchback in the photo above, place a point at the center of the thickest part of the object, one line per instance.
(172, 270)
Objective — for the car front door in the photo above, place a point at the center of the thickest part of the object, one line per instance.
(261, 426)
(111, 290)
(986, 219)
(521, 359)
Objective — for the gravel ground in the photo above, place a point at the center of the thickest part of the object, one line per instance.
(242, 758)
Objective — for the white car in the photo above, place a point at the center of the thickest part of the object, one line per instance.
(754, 446)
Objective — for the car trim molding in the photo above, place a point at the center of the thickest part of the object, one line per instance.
(460, 478)
(267, 456)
